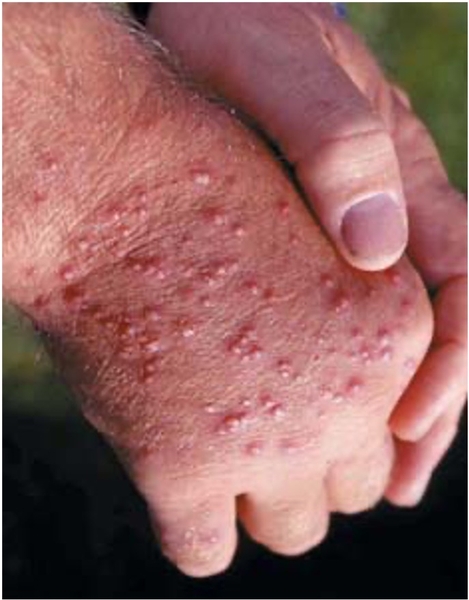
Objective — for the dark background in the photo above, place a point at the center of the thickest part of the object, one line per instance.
(75, 528)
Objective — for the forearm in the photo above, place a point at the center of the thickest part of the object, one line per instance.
(88, 117)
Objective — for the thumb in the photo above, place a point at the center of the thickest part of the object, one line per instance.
(292, 86)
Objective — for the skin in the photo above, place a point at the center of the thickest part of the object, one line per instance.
(314, 88)
(210, 330)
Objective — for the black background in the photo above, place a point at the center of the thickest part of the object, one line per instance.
(75, 528)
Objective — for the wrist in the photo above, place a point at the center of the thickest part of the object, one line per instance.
(147, 145)
(79, 114)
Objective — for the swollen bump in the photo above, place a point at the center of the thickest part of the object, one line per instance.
(255, 448)
(213, 215)
(354, 385)
(38, 197)
(201, 177)
(67, 272)
(233, 423)
(73, 294)
(283, 209)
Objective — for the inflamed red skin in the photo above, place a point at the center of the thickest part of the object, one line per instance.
(210, 330)
(233, 305)
(224, 341)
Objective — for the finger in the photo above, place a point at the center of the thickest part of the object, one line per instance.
(358, 484)
(197, 534)
(438, 248)
(288, 521)
(415, 462)
(296, 90)
(437, 212)
(442, 377)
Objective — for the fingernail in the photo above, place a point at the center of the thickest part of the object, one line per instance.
(374, 227)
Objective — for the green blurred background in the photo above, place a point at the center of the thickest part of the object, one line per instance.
(424, 48)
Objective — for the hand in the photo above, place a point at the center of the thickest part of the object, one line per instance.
(237, 366)
(312, 87)
(426, 419)
(315, 89)
(234, 362)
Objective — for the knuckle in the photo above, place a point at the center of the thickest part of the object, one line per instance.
(368, 142)
(301, 537)
(364, 151)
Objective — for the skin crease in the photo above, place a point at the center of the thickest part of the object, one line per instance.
(207, 325)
